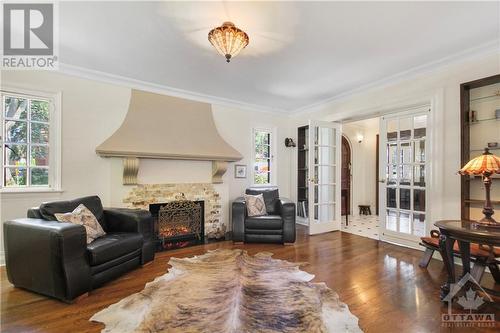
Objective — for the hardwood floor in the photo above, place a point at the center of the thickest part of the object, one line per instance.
(380, 282)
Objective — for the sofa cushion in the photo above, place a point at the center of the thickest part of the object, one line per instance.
(93, 203)
(83, 216)
(255, 205)
(112, 246)
(271, 198)
(266, 222)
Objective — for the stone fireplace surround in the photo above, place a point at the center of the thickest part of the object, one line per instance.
(143, 195)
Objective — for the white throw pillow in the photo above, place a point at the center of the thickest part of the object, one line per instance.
(255, 205)
(83, 216)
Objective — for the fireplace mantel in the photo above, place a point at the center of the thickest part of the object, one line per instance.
(164, 127)
(131, 169)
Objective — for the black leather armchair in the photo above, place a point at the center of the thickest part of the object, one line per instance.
(53, 258)
(278, 226)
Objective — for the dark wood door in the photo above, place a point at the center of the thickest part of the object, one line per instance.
(346, 177)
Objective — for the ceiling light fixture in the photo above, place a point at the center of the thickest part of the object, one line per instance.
(228, 40)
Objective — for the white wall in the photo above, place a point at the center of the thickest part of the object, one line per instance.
(91, 111)
(363, 162)
(441, 88)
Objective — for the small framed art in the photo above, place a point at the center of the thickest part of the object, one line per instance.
(240, 171)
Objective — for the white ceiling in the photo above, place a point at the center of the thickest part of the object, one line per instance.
(300, 53)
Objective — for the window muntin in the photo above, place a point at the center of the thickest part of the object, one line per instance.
(25, 144)
(263, 155)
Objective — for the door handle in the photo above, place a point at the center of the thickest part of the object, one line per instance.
(381, 181)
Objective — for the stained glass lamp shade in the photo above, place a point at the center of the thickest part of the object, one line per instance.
(228, 40)
(486, 165)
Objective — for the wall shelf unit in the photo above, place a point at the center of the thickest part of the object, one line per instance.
(302, 171)
(479, 101)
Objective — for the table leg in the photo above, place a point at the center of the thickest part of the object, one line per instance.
(446, 245)
(465, 255)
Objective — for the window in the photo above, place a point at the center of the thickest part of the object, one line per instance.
(27, 142)
(263, 156)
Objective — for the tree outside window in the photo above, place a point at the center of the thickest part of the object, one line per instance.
(25, 145)
(263, 155)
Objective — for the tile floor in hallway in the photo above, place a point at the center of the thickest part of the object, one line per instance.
(362, 225)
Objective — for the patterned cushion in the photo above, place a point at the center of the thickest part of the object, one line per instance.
(255, 205)
(83, 216)
(271, 198)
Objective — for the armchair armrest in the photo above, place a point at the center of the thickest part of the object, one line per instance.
(47, 257)
(239, 212)
(133, 220)
(129, 220)
(287, 211)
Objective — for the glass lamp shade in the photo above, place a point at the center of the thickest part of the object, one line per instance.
(228, 40)
(485, 163)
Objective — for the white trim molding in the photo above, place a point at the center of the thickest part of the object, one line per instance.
(464, 55)
(489, 48)
(90, 74)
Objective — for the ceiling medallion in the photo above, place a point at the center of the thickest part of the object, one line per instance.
(228, 40)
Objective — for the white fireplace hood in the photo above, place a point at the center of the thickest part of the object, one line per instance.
(165, 127)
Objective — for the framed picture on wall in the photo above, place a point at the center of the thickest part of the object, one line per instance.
(240, 171)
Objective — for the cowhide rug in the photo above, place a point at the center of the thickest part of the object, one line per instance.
(232, 292)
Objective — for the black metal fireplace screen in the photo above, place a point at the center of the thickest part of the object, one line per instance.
(178, 223)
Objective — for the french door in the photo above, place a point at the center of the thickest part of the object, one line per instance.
(324, 176)
(404, 174)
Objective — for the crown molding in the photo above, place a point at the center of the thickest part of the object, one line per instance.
(468, 54)
(475, 52)
(95, 75)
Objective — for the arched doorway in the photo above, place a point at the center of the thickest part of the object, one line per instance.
(346, 178)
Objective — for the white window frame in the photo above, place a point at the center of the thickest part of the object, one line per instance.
(272, 163)
(54, 140)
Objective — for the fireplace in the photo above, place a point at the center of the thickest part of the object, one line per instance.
(178, 223)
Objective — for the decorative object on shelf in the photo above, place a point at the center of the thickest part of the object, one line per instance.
(289, 142)
(492, 144)
(240, 171)
(228, 40)
(486, 165)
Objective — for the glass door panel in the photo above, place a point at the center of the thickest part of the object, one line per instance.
(403, 182)
(323, 188)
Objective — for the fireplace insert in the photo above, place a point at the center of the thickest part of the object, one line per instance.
(178, 224)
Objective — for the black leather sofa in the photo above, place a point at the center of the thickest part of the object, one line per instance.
(53, 258)
(278, 226)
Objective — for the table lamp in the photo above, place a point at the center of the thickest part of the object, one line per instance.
(485, 165)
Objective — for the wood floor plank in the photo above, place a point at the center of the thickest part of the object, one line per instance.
(381, 283)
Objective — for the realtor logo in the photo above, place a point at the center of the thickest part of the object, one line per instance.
(470, 301)
(29, 36)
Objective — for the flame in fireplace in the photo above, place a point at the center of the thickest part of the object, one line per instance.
(171, 231)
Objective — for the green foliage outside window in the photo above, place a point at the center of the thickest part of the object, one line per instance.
(23, 149)
(262, 158)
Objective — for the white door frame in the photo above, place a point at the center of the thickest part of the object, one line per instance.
(315, 225)
(437, 124)
(385, 234)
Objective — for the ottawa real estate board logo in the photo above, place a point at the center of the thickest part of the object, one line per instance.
(29, 36)
(470, 296)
